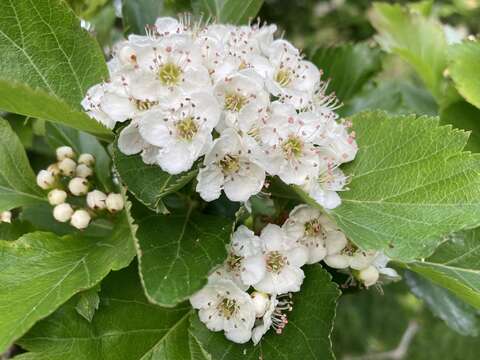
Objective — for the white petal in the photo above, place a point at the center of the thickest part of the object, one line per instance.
(253, 269)
(210, 182)
(130, 142)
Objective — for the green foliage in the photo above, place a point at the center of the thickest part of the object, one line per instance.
(126, 326)
(176, 252)
(455, 266)
(465, 116)
(88, 302)
(348, 67)
(52, 67)
(148, 183)
(228, 11)
(40, 271)
(18, 186)
(411, 183)
(307, 335)
(465, 70)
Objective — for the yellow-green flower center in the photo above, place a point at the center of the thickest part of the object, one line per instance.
(227, 308)
(230, 164)
(283, 77)
(292, 147)
(187, 128)
(235, 102)
(275, 261)
(170, 74)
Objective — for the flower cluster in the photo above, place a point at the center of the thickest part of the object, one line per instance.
(70, 176)
(271, 264)
(245, 101)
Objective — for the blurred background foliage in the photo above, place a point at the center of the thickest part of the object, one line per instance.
(350, 42)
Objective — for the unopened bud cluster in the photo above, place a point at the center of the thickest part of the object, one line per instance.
(72, 176)
(186, 83)
(271, 264)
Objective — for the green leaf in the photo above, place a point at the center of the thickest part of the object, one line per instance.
(348, 67)
(465, 116)
(418, 40)
(126, 326)
(14, 230)
(59, 135)
(88, 302)
(176, 253)
(465, 70)
(306, 336)
(458, 315)
(148, 183)
(48, 62)
(137, 14)
(18, 186)
(455, 266)
(393, 96)
(410, 184)
(228, 11)
(40, 271)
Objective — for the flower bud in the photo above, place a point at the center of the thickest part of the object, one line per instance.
(67, 167)
(368, 276)
(54, 169)
(45, 179)
(6, 216)
(83, 171)
(62, 212)
(114, 202)
(57, 197)
(80, 219)
(87, 159)
(261, 302)
(78, 186)
(96, 200)
(64, 152)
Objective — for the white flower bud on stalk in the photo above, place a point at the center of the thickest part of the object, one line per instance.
(54, 169)
(67, 167)
(57, 197)
(80, 219)
(368, 276)
(78, 186)
(87, 159)
(6, 216)
(62, 212)
(64, 152)
(45, 179)
(114, 202)
(83, 171)
(261, 302)
(96, 200)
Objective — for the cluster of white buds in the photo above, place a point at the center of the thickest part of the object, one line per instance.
(251, 292)
(6, 216)
(70, 176)
(267, 108)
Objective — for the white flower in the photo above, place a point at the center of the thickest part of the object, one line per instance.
(245, 256)
(336, 143)
(224, 306)
(67, 167)
(78, 186)
(114, 202)
(62, 212)
(235, 92)
(96, 200)
(6, 216)
(182, 131)
(45, 179)
(288, 151)
(274, 317)
(342, 254)
(57, 196)
(292, 79)
(309, 228)
(64, 152)
(80, 219)
(283, 259)
(228, 166)
(87, 159)
(323, 189)
(83, 171)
